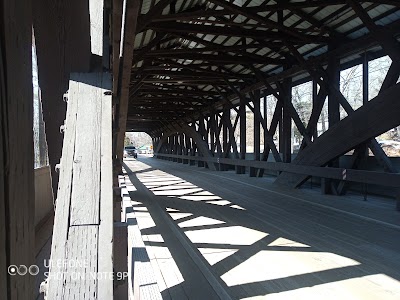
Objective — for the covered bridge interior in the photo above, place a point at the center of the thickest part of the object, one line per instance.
(213, 83)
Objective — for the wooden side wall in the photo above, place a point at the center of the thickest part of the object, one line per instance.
(62, 37)
(16, 143)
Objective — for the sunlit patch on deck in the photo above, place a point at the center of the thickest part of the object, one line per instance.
(214, 255)
(270, 265)
(232, 235)
(200, 221)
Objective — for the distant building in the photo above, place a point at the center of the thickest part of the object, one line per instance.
(146, 149)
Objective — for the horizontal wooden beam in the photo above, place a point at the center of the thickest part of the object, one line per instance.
(361, 176)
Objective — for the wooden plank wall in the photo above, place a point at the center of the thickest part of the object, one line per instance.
(16, 147)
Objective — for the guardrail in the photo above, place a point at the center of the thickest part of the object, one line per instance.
(360, 176)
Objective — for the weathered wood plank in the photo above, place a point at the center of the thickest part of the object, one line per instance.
(16, 102)
(80, 280)
(105, 289)
(86, 168)
(63, 197)
(85, 185)
(142, 279)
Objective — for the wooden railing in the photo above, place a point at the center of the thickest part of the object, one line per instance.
(361, 176)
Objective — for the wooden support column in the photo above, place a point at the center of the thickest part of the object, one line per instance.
(186, 140)
(175, 147)
(315, 103)
(365, 79)
(333, 103)
(226, 116)
(17, 201)
(203, 135)
(257, 121)
(180, 147)
(116, 37)
(191, 144)
(125, 69)
(286, 128)
(242, 130)
(328, 186)
(212, 126)
(265, 138)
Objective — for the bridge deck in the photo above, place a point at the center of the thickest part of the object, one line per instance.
(214, 235)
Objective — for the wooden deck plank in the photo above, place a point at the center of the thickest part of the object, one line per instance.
(86, 169)
(81, 253)
(277, 242)
(105, 289)
(142, 279)
(180, 274)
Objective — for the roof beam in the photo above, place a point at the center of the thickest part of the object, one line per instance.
(229, 31)
(386, 40)
(186, 72)
(156, 10)
(262, 20)
(220, 58)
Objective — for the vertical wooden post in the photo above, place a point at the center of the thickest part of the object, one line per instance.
(365, 79)
(192, 162)
(333, 103)
(265, 142)
(327, 185)
(314, 99)
(286, 140)
(185, 141)
(181, 147)
(175, 146)
(212, 132)
(257, 121)
(125, 69)
(17, 202)
(226, 117)
(242, 130)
